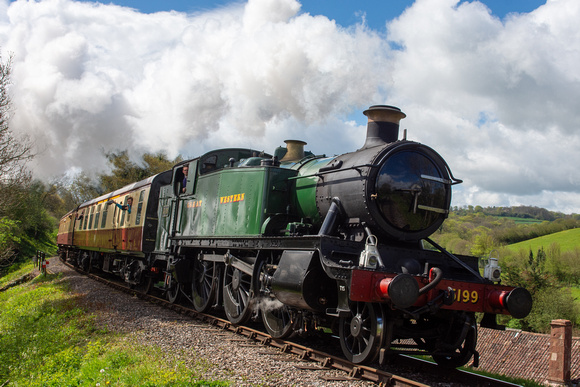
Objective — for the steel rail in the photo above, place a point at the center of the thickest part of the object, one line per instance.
(324, 360)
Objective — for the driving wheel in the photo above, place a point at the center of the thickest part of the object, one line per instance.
(277, 319)
(173, 291)
(238, 300)
(203, 286)
(361, 332)
(465, 350)
(276, 316)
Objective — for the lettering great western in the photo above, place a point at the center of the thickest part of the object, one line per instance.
(223, 200)
(232, 198)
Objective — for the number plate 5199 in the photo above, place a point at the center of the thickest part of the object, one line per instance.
(466, 296)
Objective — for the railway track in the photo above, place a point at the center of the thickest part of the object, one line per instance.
(320, 360)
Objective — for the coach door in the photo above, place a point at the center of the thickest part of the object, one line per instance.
(106, 232)
(115, 236)
(123, 226)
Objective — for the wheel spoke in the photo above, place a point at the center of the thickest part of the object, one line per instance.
(243, 297)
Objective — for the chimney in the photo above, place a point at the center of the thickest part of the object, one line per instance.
(559, 366)
(295, 150)
(383, 125)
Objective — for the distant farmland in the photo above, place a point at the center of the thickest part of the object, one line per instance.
(567, 240)
(518, 220)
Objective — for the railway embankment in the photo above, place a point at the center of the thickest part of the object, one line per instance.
(221, 356)
(201, 350)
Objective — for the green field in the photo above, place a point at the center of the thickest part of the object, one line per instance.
(568, 240)
(523, 220)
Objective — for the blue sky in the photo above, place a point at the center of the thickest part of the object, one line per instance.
(345, 12)
(495, 94)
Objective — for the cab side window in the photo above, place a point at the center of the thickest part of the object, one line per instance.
(181, 179)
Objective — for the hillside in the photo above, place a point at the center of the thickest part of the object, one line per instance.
(519, 213)
(477, 230)
(568, 241)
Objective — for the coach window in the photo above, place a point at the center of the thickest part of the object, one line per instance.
(122, 222)
(105, 212)
(91, 217)
(139, 207)
(116, 216)
(98, 212)
(128, 210)
(86, 218)
(79, 221)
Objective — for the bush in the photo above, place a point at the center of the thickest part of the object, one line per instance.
(551, 304)
(568, 266)
(8, 242)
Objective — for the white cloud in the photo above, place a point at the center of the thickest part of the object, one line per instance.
(497, 98)
(92, 77)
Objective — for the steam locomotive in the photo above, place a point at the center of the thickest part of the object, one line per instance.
(304, 242)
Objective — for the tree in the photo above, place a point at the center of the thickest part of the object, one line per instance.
(524, 269)
(125, 171)
(82, 189)
(8, 242)
(14, 154)
(484, 243)
(550, 304)
(14, 151)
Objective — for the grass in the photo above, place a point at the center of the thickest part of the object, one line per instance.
(15, 273)
(575, 293)
(523, 220)
(517, 381)
(48, 339)
(568, 240)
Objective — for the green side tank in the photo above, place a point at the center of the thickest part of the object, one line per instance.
(241, 192)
